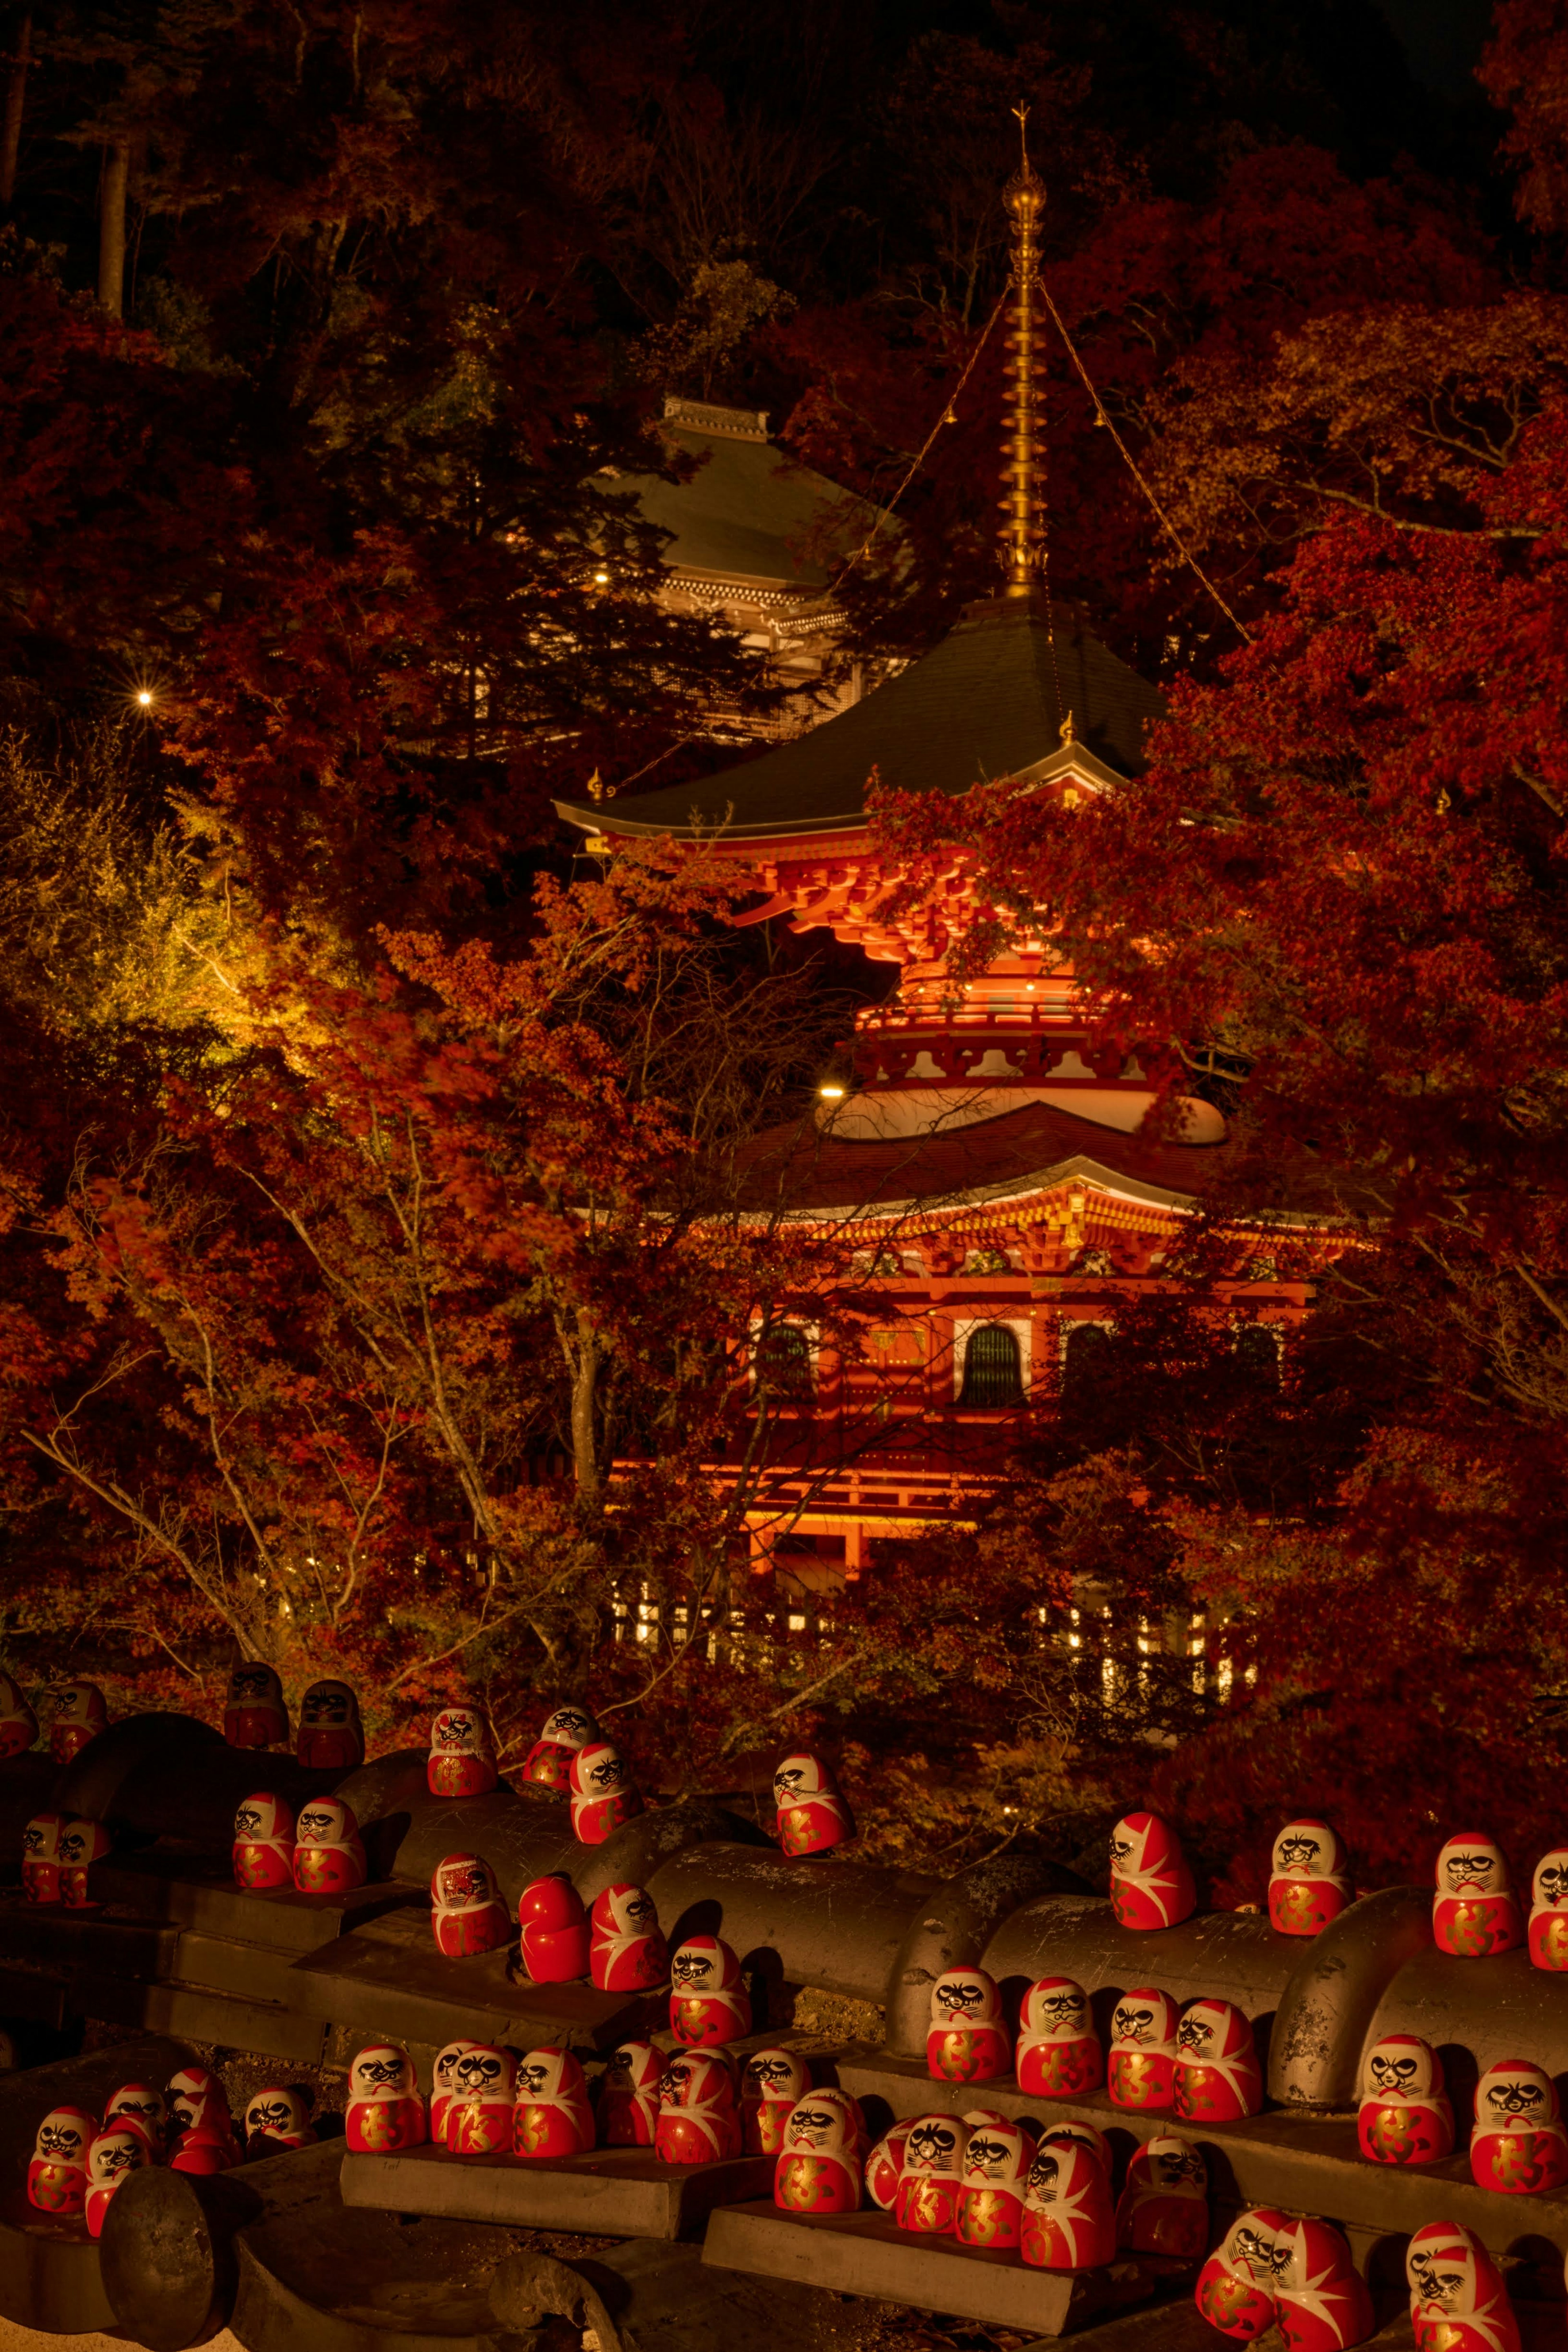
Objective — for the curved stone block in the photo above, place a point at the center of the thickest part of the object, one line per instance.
(1336, 1989)
(953, 1927)
(828, 1921)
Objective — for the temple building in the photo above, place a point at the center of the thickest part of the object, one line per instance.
(989, 1173)
(754, 539)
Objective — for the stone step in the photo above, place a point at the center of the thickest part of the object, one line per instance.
(1302, 2162)
(218, 1964)
(37, 1995)
(625, 2190)
(267, 2027)
(81, 1941)
(867, 2254)
(183, 1890)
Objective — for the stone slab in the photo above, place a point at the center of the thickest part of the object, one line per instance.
(1304, 2163)
(389, 1979)
(187, 1893)
(244, 1971)
(201, 2015)
(79, 1942)
(867, 2254)
(624, 2191)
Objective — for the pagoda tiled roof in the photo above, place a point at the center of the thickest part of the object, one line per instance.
(747, 516)
(808, 1171)
(989, 700)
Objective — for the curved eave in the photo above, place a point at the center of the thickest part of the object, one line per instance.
(589, 819)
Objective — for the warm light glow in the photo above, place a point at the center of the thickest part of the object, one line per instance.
(602, 579)
(831, 1092)
(145, 697)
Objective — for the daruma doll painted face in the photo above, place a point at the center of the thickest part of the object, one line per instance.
(1309, 1883)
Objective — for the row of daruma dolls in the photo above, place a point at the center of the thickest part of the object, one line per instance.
(982, 2177)
(1274, 2270)
(1475, 1912)
(79, 2160)
(1201, 2062)
(330, 1735)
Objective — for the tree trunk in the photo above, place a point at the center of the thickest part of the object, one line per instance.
(588, 1362)
(11, 131)
(112, 229)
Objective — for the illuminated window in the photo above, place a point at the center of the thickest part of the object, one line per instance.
(993, 1368)
(1083, 1358)
(1257, 1353)
(784, 1360)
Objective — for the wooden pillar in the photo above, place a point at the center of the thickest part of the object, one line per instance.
(11, 129)
(111, 228)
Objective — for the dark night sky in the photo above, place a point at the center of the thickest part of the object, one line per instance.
(1442, 38)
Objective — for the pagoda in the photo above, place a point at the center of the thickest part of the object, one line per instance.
(992, 1173)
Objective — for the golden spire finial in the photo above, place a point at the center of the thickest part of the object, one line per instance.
(1067, 735)
(1022, 534)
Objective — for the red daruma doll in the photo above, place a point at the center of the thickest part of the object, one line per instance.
(443, 2077)
(771, 2083)
(818, 2168)
(884, 2167)
(331, 1739)
(121, 2148)
(1218, 2078)
(462, 1763)
(144, 2103)
(467, 1913)
(603, 1791)
(255, 1714)
(1474, 1913)
(479, 2112)
(1069, 2222)
(548, 1761)
(626, 1953)
(1457, 2300)
(989, 2207)
(708, 2005)
(18, 1723)
(81, 1844)
(552, 2116)
(329, 1858)
(57, 2176)
(1150, 1885)
(276, 2120)
(968, 2042)
(41, 1857)
(813, 1816)
(554, 1936)
(1165, 2203)
(629, 2095)
(1321, 2299)
(1518, 2146)
(263, 1843)
(698, 2121)
(1236, 2284)
(385, 2110)
(1549, 1911)
(1310, 1883)
(81, 1714)
(1140, 2071)
(197, 2102)
(1059, 2054)
(931, 2176)
(1405, 2115)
